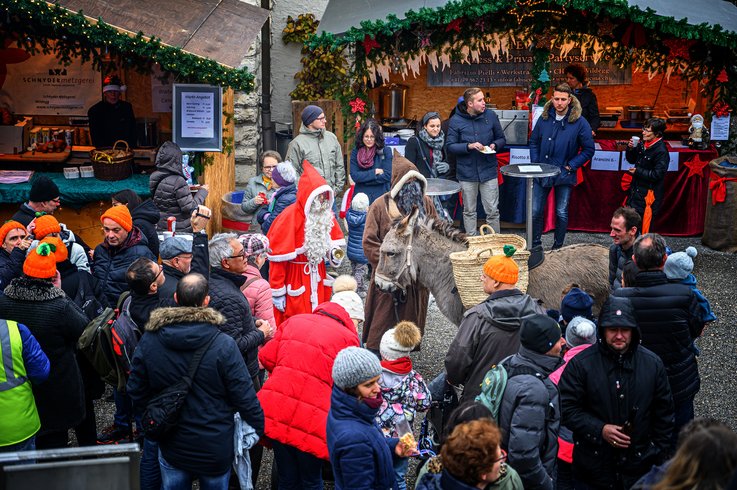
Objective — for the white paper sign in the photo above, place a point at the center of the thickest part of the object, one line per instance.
(673, 163)
(197, 119)
(161, 91)
(606, 160)
(720, 128)
(519, 155)
(528, 169)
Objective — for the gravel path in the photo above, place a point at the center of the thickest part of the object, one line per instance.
(717, 278)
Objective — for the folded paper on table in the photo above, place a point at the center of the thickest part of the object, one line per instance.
(528, 169)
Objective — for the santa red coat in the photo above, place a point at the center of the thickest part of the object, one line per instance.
(299, 359)
(289, 271)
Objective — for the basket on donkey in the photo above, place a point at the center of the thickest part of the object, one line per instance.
(469, 264)
(113, 164)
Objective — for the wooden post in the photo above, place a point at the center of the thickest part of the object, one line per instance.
(220, 174)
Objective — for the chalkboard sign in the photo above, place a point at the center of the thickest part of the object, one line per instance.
(513, 70)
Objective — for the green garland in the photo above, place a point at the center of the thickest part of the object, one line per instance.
(39, 27)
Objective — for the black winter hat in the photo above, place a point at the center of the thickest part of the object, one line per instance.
(43, 189)
(617, 313)
(576, 303)
(539, 333)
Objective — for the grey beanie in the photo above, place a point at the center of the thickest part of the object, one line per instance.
(679, 265)
(353, 366)
(580, 331)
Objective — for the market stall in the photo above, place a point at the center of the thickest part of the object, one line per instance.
(645, 59)
(61, 59)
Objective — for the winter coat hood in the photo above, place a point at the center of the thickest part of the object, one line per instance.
(574, 110)
(355, 218)
(315, 133)
(183, 314)
(402, 171)
(506, 314)
(146, 211)
(169, 159)
(311, 185)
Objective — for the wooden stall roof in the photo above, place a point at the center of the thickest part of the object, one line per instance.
(222, 30)
(341, 15)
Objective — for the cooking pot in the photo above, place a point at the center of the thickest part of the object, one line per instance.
(647, 113)
(392, 101)
(635, 113)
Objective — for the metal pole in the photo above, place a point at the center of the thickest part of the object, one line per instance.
(530, 182)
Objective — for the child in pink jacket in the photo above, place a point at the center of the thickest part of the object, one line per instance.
(256, 289)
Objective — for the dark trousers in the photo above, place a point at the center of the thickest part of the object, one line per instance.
(297, 469)
(565, 476)
(53, 439)
(684, 413)
(86, 431)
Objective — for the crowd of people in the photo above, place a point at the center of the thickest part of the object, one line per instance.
(278, 351)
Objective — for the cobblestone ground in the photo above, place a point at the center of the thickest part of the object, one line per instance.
(717, 278)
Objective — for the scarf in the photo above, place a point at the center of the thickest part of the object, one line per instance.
(267, 182)
(410, 195)
(374, 403)
(366, 156)
(648, 144)
(435, 144)
(403, 365)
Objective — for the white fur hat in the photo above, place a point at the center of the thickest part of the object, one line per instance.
(351, 302)
(360, 202)
(399, 341)
(344, 282)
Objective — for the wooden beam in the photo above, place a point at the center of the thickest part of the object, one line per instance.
(220, 174)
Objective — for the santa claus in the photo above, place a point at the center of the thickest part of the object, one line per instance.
(303, 238)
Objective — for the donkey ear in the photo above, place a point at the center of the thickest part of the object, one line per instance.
(412, 218)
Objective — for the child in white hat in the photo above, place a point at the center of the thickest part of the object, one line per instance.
(403, 389)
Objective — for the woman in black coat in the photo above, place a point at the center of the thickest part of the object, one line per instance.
(57, 323)
(650, 159)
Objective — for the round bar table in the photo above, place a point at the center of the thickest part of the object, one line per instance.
(442, 187)
(530, 172)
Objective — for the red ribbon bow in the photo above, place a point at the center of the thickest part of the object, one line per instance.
(718, 188)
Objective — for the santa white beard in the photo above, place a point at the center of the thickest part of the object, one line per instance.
(318, 224)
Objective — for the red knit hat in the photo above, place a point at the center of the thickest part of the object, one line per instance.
(120, 215)
(9, 225)
(61, 253)
(46, 224)
(41, 262)
(503, 268)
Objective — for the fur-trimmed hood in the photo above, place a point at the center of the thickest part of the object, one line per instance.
(163, 317)
(574, 109)
(26, 288)
(402, 171)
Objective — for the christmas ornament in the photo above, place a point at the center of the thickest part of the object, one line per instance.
(696, 166)
(544, 77)
(723, 78)
(454, 25)
(721, 109)
(679, 48)
(369, 43)
(529, 8)
(357, 105)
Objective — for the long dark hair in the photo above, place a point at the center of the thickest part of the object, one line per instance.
(128, 197)
(375, 129)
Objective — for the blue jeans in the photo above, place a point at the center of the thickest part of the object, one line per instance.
(175, 479)
(297, 469)
(400, 472)
(150, 470)
(27, 445)
(124, 411)
(539, 200)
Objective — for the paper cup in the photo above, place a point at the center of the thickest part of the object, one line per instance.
(635, 140)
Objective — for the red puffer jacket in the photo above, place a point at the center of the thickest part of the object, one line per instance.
(299, 359)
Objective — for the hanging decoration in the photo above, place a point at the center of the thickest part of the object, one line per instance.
(40, 27)
(634, 36)
(721, 109)
(605, 27)
(543, 77)
(679, 48)
(369, 43)
(696, 166)
(530, 8)
(723, 77)
(454, 25)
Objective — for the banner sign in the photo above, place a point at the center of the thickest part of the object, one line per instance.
(40, 85)
(512, 69)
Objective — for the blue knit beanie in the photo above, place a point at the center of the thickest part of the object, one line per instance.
(310, 113)
(576, 303)
(678, 265)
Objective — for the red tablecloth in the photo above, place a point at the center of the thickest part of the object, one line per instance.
(599, 193)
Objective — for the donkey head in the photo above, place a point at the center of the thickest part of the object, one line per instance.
(397, 269)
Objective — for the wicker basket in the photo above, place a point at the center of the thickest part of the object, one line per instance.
(113, 164)
(468, 265)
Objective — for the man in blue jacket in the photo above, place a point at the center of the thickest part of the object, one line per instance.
(562, 138)
(474, 136)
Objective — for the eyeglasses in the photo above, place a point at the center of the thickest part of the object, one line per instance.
(501, 458)
(56, 201)
(322, 118)
(647, 129)
(240, 255)
(161, 269)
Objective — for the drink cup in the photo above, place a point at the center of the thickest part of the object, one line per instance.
(635, 140)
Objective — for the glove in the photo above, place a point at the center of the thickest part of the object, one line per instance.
(442, 167)
(280, 302)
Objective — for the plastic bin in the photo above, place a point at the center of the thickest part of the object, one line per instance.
(71, 173)
(233, 219)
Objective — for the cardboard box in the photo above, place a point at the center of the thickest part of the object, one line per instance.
(15, 139)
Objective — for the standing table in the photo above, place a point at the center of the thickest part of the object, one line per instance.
(530, 172)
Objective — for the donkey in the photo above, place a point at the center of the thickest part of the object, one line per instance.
(417, 250)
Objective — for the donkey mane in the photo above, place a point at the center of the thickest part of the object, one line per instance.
(443, 228)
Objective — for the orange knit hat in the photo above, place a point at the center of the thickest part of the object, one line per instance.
(41, 262)
(503, 268)
(62, 253)
(9, 225)
(46, 224)
(120, 215)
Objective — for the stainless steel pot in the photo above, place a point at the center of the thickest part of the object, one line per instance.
(392, 101)
(647, 113)
(634, 113)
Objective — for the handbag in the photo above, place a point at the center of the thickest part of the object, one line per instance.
(162, 412)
